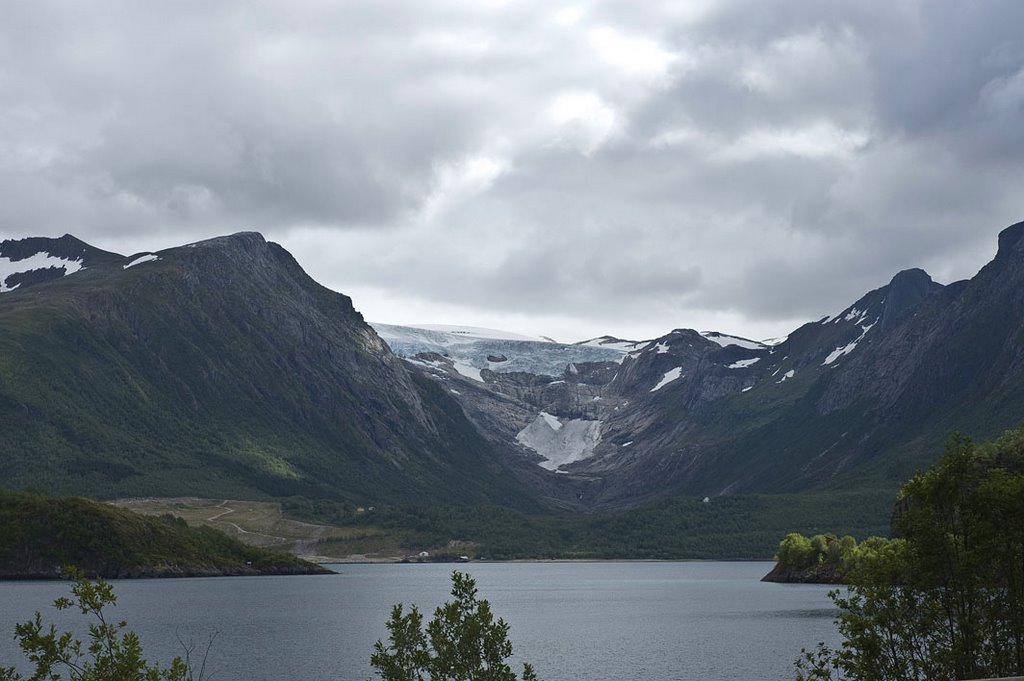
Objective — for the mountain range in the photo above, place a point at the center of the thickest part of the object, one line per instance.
(861, 398)
(214, 369)
(220, 368)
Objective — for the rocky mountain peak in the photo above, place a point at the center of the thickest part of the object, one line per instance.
(1010, 240)
(246, 250)
(913, 277)
(248, 260)
(236, 241)
(904, 292)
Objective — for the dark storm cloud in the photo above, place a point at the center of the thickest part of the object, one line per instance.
(594, 166)
(194, 114)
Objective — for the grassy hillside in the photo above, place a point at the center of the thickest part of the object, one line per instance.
(42, 533)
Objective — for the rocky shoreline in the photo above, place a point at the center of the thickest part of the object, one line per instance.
(825, 573)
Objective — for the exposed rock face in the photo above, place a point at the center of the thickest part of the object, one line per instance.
(826, 573)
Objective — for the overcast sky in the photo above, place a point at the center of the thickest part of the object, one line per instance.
(561, 169)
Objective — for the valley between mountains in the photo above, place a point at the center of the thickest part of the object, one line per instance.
(221, 370)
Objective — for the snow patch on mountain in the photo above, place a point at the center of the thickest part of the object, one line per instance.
(551, 420)
(611, 343)
(772, 342)
(849, 347)
(468, 370)
(427, 363)
(670, 375)
(744, 363)
(851, 314)
(725, 340)
(37, 261)
(839, 352)
(789, 374)
(148, 257)
(560, 442)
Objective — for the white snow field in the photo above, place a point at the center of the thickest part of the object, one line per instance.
(560, 441)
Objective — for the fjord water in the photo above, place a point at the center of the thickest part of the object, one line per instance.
(587, 621)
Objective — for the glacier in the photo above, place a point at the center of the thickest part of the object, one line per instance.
(474, 349)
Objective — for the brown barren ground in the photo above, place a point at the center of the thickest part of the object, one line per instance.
(262, 523)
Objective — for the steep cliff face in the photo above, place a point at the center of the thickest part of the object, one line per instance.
(221, 367)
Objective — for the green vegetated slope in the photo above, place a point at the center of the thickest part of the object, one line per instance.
(222, 370)
(735, 527)
(41, 534)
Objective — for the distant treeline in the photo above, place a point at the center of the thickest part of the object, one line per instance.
(729, 527)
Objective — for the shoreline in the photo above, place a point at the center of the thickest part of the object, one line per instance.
(385, 561)
(325, 561)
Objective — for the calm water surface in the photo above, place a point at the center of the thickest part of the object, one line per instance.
(596, 621)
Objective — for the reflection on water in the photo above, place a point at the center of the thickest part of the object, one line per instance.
(594, 621)
(810, 613)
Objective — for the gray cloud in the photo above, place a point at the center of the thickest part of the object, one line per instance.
(579, 169)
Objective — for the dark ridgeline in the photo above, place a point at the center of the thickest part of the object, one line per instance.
(221, 369)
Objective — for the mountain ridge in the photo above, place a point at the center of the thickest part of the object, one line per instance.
(222, 366)
(873, 388)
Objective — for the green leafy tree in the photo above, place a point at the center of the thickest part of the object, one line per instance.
(945, 600)
(112, 653)
(795, 551)
(847, 549)
(463, 642)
